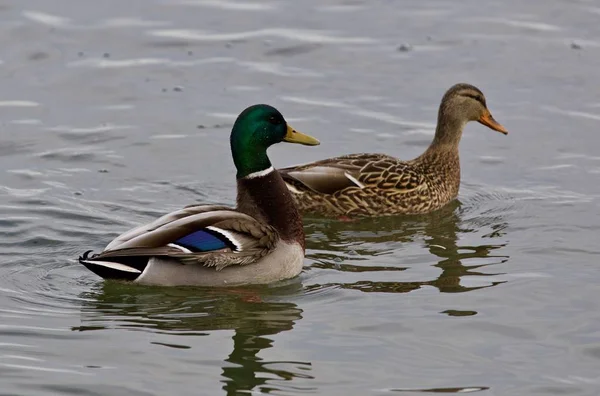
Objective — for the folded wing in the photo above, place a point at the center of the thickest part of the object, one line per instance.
(353, 171)
(213, 236)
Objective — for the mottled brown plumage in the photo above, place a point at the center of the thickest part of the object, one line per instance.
(378, 184)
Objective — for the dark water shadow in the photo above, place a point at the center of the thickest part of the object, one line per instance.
(335, 242)
(253, 313)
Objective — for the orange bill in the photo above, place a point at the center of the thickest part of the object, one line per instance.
(487, 120)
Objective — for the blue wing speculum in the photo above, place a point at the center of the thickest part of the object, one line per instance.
(205, 240)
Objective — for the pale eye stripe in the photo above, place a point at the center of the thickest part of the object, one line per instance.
(473, 96)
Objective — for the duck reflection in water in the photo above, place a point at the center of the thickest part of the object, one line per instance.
(253, 314)
(337, 245)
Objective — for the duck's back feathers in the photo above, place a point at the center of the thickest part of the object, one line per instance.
(207, 235)
(357, 184)
(357, 170)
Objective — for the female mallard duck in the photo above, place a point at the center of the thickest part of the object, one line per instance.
(260, 241)
(378, 184)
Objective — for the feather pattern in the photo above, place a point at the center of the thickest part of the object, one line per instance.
(362, 184)
(378, 184)
(242, 239)
(260, 241)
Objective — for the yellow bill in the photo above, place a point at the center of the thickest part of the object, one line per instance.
(293, 136)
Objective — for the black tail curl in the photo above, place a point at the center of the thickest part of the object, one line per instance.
(86, 256)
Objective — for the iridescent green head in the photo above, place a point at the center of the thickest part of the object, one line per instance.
(255, 130)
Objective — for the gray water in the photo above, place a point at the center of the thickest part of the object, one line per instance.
(114, 112)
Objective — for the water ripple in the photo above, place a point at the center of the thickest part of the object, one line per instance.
(303, 35)
(89, 130)
(572, 113)
(18, 103)
(467, 389)
(315, 102)
(393, 255)
(104, 63)
(57, 21)
(26, 121)
(279, 70)
(416, 127)
(227, 5)
(130, 22)
(47, 19)
(529, 25)
(517, 253)
(553, 194)
(81, 153)
(341, 8)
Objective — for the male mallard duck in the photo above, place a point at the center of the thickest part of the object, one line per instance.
(378, 184)
(260, 241)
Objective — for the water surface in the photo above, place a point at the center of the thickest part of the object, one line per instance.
(116, 112)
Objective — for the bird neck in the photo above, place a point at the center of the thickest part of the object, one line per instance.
(449, 130)
(441, 161)
(264, 196)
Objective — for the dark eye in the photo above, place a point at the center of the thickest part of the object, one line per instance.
(274, 120)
